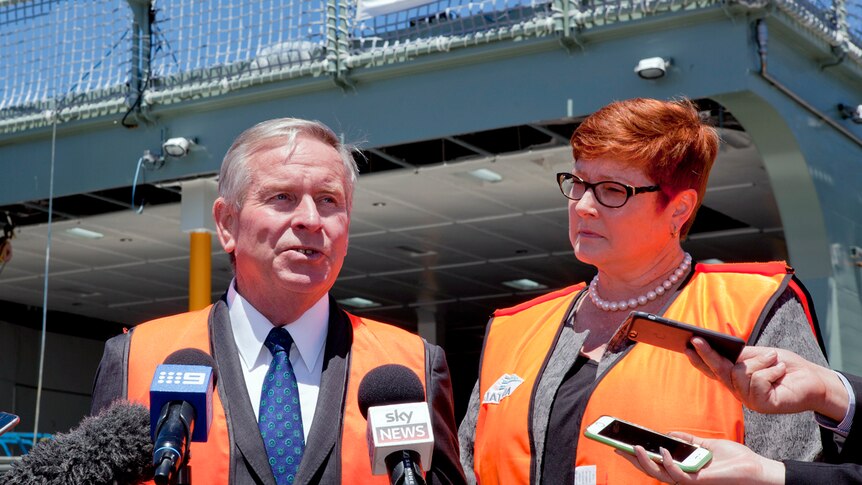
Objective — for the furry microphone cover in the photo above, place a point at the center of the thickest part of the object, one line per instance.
(113, 446)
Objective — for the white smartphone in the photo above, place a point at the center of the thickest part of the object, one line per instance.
(624, 436)
(8, 421)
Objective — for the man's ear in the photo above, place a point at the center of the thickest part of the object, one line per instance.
(226, 218)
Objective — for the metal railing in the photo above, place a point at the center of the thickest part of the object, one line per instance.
(6, 463)
(85, 58)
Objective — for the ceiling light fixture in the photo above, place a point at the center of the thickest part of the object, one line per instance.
(486, 175)
(524, 284)
(652, 67)
(415, 253)
(84, 233)
(721, 188)
(358, 302)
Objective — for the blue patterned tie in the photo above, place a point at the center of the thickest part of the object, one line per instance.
(280, 418)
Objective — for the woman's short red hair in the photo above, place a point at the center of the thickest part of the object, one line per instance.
(667, 139)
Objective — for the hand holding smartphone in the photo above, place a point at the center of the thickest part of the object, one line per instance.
(624, 436)
(8, 421)
(672, 335)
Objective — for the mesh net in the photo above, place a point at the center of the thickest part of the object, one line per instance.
(69, 51)
(214, 40)
(443, 18)
(854, 19)
(62, 53)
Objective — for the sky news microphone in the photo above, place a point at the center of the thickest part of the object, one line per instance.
(400, 438)
(180, 410)
(111, 447)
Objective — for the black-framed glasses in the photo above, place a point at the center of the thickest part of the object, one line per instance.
(608, 193)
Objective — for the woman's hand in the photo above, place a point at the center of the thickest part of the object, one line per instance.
(769, 380)
(732, 463)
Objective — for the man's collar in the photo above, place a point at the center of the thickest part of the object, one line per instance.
(250, 329)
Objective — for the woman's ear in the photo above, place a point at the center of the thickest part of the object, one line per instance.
(683, 206)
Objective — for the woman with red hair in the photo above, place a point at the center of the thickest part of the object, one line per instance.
(553, 365)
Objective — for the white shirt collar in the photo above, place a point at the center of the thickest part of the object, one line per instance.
(250, 329)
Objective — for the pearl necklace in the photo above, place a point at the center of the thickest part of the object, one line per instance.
(632, 303)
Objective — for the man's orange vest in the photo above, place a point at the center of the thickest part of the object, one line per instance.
(374, 344)
(650, 386)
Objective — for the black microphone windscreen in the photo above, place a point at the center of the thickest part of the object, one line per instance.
(114, 445)
(389, 384)
(192, 357)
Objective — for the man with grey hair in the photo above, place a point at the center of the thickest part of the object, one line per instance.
(289, 358)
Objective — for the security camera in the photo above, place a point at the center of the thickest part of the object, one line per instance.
(854, 113)
(177, 147)
(652, 67)
(152, 161)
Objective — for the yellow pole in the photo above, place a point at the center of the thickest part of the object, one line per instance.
(200, 270)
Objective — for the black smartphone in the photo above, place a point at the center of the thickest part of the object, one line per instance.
(672, 335)
(8, 421)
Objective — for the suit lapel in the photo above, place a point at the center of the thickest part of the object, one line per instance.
(320, 450)
(234, 396)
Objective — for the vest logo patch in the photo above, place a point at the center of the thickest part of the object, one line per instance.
(505, 385)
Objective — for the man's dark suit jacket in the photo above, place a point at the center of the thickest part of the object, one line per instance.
(321, 462)
(847, 468)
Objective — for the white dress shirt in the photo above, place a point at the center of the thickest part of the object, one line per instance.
(250, 329)
(842, 428)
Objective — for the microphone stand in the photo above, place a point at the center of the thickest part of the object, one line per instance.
(183, 476)
(174, 433)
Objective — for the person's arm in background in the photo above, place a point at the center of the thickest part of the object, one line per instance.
(467, 434)
(445, 463)
(777, 381)
(732, 463)
(770, 381)
(787, 436)
(110, 381)
(851, 450)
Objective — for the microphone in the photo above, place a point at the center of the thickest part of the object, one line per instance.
(113, 446)
(400, 437)
(180, 411)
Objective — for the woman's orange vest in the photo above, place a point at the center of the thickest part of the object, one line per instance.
(374, 344)
(650, 386)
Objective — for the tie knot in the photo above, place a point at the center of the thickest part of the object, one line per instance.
(278, 340)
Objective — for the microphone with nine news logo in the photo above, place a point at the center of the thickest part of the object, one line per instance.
(180, 411)
(400, 436)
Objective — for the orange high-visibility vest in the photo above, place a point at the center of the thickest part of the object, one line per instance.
(650, 386)
(374, 344)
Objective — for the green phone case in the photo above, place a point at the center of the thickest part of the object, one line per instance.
(630, 450)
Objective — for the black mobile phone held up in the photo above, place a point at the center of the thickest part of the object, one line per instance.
(672, 335)
(8, 421)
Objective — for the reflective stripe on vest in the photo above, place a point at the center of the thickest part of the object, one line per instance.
(374, 344)
(650, 386)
